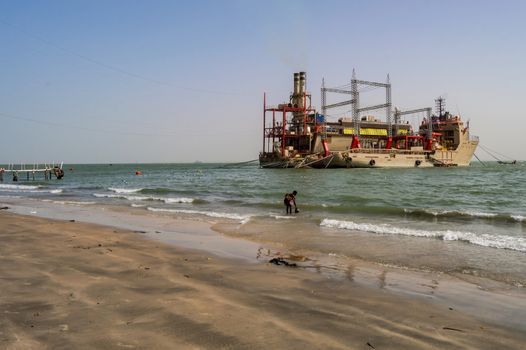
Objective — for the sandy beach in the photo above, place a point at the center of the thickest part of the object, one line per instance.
(72, 285)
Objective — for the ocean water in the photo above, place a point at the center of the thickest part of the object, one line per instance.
(457, 220)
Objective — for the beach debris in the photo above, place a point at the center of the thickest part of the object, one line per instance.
(63, 327)
(450, 308)
(4, 208)
(71, 220)
(369, 344)
(187, 276)
(280, 261)
(453, 329)
(297, 257)
(139, 231)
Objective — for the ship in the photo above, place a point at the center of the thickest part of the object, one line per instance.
(296, 135)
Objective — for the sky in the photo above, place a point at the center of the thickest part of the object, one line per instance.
(130, 81)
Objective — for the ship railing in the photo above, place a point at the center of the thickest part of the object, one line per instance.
(386, 151)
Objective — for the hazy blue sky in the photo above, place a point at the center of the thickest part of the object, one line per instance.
(175, 81)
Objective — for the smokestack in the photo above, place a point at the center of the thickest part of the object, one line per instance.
(296, 83)
(303, 82)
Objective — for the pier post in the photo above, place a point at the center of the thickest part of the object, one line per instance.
(27, 173)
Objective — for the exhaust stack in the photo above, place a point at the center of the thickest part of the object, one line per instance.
(303, 83)
(296, 83)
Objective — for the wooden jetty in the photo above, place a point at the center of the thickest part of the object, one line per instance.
(32, 171)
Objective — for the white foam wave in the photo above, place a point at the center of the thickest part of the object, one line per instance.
(17, 187)
(73, 202)
(28, 189)
(176, 200)
(518, 217)
(241, 218)
(283, 217)
(482, 239)
(124, 190)
(476, 214)
(135, 205)
(166, 200)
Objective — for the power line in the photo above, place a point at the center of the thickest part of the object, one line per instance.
(112, 67)
(119, 132)
(67, 126)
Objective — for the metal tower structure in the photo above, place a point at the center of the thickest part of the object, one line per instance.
(355, 102)
(440, 104)
(399, 113)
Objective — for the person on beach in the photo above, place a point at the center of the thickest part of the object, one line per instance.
(289, 200)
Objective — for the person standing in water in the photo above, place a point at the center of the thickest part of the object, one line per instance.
(289, 201)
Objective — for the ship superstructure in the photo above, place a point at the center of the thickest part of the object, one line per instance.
(295, 135)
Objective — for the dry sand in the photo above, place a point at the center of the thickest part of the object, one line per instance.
(71, 285)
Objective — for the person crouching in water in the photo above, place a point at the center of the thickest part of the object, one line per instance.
(289, 201)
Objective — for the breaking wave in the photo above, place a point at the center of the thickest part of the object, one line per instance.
(482, 239)
(18, 187)
(124, 190)
(28, 189)
(463, 214)
(519, 218)
(69, 202)
(241, 218)
(144, 198)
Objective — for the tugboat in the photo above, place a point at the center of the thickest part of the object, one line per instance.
(297, 136)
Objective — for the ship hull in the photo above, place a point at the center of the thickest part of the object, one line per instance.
(364, 158)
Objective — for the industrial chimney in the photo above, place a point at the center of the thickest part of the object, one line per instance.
(296, 83)
(303, 83)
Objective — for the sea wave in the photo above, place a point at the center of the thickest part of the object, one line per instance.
(18, 187)
(71, 202)
(157, 190)
(166, 200)
(124, 190)
(464, 214)
(135, 205)
(233, 216)
(519, 218)
(283, 217)
(28, 189)
(482, 239)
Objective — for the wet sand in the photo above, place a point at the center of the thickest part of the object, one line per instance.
(73, 285)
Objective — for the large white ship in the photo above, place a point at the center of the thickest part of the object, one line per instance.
(296, 136)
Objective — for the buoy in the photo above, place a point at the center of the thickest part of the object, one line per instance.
(138, 172)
